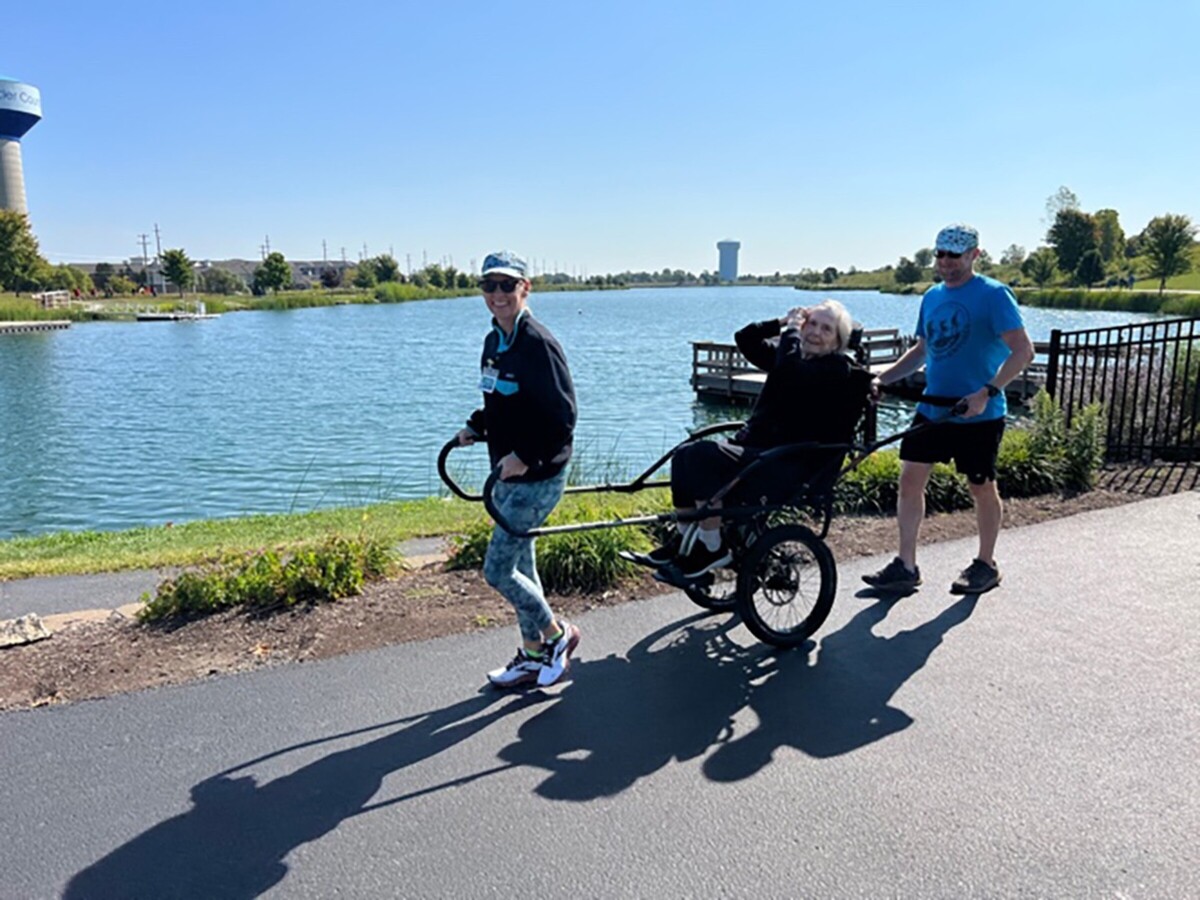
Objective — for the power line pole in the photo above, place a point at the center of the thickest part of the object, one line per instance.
(145, 239)
(324, 253)
(157, 244)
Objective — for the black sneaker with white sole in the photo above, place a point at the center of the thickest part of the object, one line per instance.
(702, 560)
(656, 558)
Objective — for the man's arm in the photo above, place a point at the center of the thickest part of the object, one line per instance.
(912, 361)
(1019, 357)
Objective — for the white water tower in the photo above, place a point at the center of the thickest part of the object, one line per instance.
(727, 267)
(20, 110)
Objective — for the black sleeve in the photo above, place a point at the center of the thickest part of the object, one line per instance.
(478, 422)
(759, 342)
(554, 395)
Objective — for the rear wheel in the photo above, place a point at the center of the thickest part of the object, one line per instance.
(786, 585)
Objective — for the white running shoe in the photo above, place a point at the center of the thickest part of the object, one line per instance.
(556, 657)
(522, 669)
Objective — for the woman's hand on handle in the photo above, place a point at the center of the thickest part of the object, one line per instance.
(512, 467)
(466, 437)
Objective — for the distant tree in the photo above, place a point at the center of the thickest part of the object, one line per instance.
(1014, 255)
(331, 278)
(434, 276)
(829, 275)
(1133, 246)
(923, 257)
(1061, 200)
(1072, 235)
(984, 262)
(178, 269)
(362, 277)
(20, 259)
(215, 280)
(1040, 266)
(101, 274)
(273, 275)
(450, 276)
(386, 268)
(465, 282)
(1090, 268)
(120, 284)
(1167, 247)
(907, 271)
(65, 278)
(1110, 237)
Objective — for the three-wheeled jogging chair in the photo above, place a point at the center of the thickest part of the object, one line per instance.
(775, 514)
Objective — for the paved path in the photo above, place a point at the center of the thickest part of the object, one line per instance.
(1040, 741)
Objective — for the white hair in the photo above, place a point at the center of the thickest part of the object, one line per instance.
(841, 315)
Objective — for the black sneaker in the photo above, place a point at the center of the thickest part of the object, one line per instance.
(895, 576)
(702, 560)
(977, 578)
(657, 558)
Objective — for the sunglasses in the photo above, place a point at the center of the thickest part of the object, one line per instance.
(943, 254)
(491, 285)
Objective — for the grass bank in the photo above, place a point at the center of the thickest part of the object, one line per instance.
(70, 553)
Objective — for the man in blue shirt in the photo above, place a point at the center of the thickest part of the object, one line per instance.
(972, 342)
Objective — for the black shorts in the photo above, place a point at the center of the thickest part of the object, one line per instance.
(972, 445)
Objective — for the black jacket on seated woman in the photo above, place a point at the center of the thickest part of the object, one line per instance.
(813, 392)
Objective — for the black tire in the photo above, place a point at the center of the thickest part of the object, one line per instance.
(786, 586)
(717, 591)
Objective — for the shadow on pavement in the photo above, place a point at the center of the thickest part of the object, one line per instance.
(233, 841)
(676, 693)
(673, 696)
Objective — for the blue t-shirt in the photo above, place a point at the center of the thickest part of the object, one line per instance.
(961, 327)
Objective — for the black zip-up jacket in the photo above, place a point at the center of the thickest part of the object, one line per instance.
(530, 410)
(816, 399)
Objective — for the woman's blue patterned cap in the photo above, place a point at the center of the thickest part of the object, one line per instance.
(505, 263)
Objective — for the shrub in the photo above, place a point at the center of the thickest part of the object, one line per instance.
(336, 569)
(1083, 450)
(567, 563)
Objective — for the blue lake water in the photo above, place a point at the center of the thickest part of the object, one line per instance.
(109, 426)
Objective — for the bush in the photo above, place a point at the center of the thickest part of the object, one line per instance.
(567, 563)
(263, 580)
(1083, 450)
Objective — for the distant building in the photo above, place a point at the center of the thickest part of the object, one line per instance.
(20, 110)
(727, 267)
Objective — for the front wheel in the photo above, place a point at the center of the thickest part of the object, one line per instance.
(786, 586)
(718, 590)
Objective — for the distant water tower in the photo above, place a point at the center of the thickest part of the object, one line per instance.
(728, 264)
(20, 110)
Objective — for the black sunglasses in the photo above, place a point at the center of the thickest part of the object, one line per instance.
(942, 254)
(491, 285)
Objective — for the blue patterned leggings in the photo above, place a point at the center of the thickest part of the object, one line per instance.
(510, 565)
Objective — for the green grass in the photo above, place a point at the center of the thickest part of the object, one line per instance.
(68, 553)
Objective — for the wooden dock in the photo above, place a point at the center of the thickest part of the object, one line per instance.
(720, 373)
(26, 327)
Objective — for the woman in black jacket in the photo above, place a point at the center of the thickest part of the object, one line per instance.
(811, 395)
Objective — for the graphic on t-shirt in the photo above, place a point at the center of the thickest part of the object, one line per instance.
(947, 330)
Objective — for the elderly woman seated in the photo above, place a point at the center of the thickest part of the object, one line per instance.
(811, 394)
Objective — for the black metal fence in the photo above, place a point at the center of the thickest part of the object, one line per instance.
(1146, 375)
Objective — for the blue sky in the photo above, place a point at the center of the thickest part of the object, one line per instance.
(597, 137)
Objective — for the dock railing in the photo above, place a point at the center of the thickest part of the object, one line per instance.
(720, 372)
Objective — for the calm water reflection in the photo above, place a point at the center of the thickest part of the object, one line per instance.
(114, 425)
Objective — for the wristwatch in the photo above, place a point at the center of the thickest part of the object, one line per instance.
(992, 389)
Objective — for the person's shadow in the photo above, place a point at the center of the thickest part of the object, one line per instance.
(840, 702)
(675, 695)
(233, 841)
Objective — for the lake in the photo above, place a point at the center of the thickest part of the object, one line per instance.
(108, 426)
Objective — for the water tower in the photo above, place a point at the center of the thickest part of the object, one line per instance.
(728, 260)
(20, 110)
